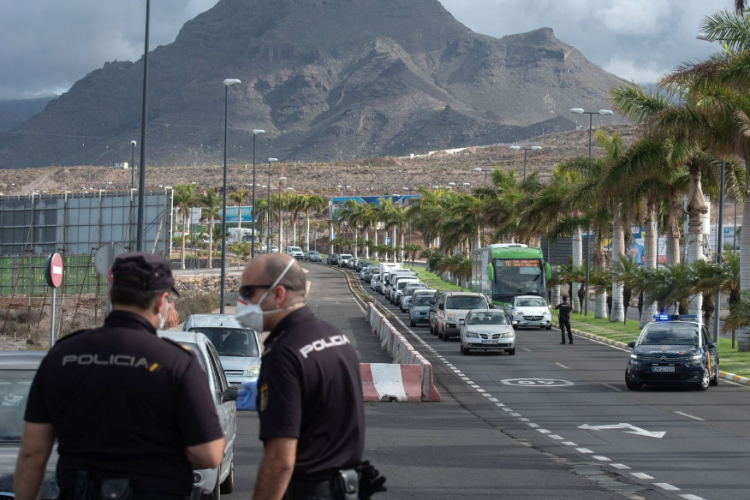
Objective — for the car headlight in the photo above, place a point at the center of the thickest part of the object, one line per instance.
(508, 335)
(253, 371)
(697, 357)
(519, 313)
(472, 334)
(547, 314)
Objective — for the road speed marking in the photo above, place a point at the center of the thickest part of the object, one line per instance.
(537, 382)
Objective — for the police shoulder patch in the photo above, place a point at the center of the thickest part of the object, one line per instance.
(182, 348)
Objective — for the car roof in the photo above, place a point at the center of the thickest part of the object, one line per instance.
(180, 336)
(214, 320)
(21, 360)
(498, 311)
(464, 294)
(529, 297)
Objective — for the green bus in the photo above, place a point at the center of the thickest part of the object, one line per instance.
(506, 270)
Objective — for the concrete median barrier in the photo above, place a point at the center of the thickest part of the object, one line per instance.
(403, 355)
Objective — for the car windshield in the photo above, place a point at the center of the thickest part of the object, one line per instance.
(465, 302)
(671, 334)
(411, 289)
(422, 300)
(488, 318)
(14, 389)
(231, 341)
(402, 284)
(530, 302)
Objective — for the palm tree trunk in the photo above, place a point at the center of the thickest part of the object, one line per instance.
(618, 250)
(356, 247)
(403, 244)
(743, 343)
(307, 231)
(367, 247)
(375, 241)
(211, 243)
(577, 261)
(184, 237)
(330, 237)
(600, 305)
(673, 234)
(649, 308)
(393, 245)
(697, 207)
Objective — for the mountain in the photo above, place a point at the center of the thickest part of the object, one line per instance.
(326, 79)
(15, 111)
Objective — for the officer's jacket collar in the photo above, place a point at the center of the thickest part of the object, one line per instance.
(124, 319)
(300, 315)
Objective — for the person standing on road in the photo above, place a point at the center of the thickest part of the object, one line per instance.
(564, 310)
(132, 413)
(309, 396)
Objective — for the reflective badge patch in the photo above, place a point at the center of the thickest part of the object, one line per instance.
(263, 397)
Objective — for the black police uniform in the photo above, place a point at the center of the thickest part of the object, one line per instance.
(124, 404)
(564, 318)
(310, 389)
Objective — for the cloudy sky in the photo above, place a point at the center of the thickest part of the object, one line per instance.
(49, 44)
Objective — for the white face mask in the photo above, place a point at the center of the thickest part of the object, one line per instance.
(251, 315)
(163, 319)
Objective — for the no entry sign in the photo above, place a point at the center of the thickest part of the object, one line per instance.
(53, 270)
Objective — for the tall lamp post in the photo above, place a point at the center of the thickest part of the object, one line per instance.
(601, 112)
(229, 82)
(144, 119)
(256, 133)
(281, 179)
(132, 164)
(525, 152)
(291, 223)
(268, 209)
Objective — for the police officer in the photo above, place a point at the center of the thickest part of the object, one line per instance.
(132, 412)
(564, 317)
(309, 390)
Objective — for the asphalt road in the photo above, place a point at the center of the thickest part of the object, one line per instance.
(704, 452)
(466, 446)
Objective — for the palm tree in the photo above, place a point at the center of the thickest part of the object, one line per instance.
(295, 205)
(238, 197)
(723, 277)
(311, 203)
(261, 213)
(386, 211)
(183, 197)
(211, 208)
(630, 275)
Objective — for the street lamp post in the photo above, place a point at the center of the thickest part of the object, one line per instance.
(281, 179)
(525, 151)
(132, 164)
(256, 132)
(601, 112)
(144, 119)
(268, 210)
(291, 223)
(720, 249)
(230, 82)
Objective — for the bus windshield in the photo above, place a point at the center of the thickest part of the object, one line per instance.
(515, 277)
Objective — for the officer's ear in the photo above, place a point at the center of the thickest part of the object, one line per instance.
(160, 304)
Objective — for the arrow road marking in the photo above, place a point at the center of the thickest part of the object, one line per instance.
(633, 430)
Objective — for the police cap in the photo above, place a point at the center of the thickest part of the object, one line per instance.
(143, 271)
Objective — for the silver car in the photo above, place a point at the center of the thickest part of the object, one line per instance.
(238, 347)
(221, 479)
(489, 330)
(375, 282)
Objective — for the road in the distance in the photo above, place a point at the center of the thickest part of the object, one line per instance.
(705, 452)
(458, 448)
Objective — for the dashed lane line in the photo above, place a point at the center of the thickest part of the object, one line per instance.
(612, 387)
(667, 486)
(690, 416)
(641, 475)
(562, 366)
(601, 458)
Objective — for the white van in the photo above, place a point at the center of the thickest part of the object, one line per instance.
(295, 252)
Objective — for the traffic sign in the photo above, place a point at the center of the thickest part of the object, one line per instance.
(105, 256)
(53, 270)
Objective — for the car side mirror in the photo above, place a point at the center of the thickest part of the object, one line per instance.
(631, 345)
(230, 394)
(711, 345)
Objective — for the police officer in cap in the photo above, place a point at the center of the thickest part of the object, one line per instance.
(564, 310)
(309, 392)
(132, 412)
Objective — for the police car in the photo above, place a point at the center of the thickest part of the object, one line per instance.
(673, 350)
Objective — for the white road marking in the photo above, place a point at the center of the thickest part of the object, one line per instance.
(481, 391)
(667, 486)
(641, 475)
(466, 379)
(601, 458)
(527, 350)
(524, 420)
(486, 395)
(494, 400)
(690, 416)
(499, 404)
(562, 366)
(533, 426)
(543, 431)
(633, 430)
(569, 443)
(507, 409)
(620, 466)
(474, 386)
(584, 450)
(556, 437)
(515, 414)
(692, 497)
(612, 387)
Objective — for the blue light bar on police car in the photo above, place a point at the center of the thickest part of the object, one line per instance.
(676, 317)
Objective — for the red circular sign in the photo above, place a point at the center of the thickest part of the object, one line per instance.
(53, 270)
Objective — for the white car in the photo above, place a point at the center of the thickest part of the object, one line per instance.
(530, 311)
(398, 289)
(393, 278)
(375, 282)
(407, 294)
(344, 259)
(220, 479)
(489, 330)
(295, 252)
(453, 307)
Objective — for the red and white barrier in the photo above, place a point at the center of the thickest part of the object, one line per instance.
(403, 353)
(382, 382)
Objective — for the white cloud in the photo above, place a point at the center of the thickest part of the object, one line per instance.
(636, 17)
(630, 71)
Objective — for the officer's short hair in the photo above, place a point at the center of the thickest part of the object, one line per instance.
(142, 299)
(294, 280)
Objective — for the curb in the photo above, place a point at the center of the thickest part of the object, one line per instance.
(722, 374)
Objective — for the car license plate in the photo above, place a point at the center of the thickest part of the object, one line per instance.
(663, 369)
(491, 342)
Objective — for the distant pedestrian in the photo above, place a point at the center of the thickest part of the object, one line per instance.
(309, 398)
(564, 310)
(132, 413)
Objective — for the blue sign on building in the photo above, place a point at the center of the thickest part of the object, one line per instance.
(398, 200)
(247, 215)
